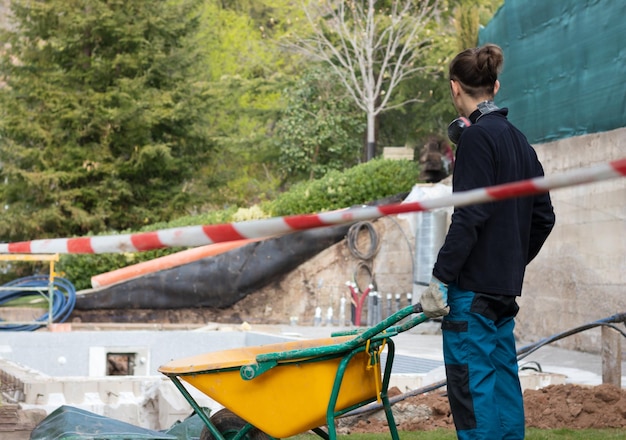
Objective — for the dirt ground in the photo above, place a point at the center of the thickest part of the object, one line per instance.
(556, 406)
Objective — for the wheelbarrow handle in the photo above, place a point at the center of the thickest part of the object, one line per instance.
(387, 325)
(393, 330)
(383, 329)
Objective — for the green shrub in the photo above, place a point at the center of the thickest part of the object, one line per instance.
(373, 180)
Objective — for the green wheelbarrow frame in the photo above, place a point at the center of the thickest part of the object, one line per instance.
(342, 358)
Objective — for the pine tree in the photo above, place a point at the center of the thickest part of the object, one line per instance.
(101, 115)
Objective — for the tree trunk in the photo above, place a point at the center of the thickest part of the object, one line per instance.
(371, 136)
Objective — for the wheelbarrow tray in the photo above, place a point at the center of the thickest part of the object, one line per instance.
(290, 398)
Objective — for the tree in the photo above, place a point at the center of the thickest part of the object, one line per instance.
(102, 115)
(469, 15)
(416, 122)
(320, 129)
(372, 46)
(248, 75)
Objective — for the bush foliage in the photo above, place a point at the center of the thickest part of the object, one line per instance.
(362, 184)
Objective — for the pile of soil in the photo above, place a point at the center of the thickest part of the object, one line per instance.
(553, 407)
(576, 407)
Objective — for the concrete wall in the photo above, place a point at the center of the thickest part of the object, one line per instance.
(151, 402)
(83, 353)
(43, 371)
(580, 274)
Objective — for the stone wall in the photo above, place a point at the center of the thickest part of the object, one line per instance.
(580, 274)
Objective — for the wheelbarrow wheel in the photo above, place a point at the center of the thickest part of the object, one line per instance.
(229, 424)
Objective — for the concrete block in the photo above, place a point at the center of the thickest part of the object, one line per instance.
(534, 380)
(173, 407)
(406, 382)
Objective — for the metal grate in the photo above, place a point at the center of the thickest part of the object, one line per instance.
(403, 364)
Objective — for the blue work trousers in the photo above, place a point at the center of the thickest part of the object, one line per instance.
(481, 366)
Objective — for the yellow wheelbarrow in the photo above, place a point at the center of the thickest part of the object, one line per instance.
(284, 389)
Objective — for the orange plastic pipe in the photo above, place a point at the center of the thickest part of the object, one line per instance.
(166, 262)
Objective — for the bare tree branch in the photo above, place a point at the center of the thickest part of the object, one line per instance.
(371, 48)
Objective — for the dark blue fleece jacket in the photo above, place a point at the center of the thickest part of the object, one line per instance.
(489, 245)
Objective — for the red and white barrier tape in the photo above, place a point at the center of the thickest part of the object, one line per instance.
(191, 236)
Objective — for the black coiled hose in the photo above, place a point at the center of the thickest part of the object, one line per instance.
(352, 239)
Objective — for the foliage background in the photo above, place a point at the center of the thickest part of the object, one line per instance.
(101, 119)
(126, 116)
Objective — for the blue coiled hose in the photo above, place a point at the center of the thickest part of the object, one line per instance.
(63, 295)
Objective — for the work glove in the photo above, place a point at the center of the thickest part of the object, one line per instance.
(435, 299)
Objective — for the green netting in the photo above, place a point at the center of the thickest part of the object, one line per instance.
(68, 423)
(564, 65)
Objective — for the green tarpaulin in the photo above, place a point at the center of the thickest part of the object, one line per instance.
(69, 423)
(565, 65)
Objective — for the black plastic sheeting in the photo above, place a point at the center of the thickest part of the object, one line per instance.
(218, 281)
